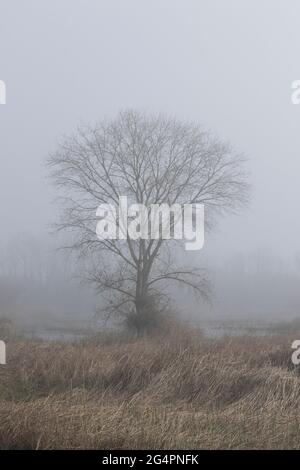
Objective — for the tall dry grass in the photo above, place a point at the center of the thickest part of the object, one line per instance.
(175, 391)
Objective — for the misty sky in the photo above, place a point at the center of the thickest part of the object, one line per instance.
(226, 64)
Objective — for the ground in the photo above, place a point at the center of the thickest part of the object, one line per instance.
(176, 391)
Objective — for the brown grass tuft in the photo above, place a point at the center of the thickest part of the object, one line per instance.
(176, 391)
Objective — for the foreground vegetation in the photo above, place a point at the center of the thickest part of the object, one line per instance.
(177, 391)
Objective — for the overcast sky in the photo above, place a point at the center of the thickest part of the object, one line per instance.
(226, 64)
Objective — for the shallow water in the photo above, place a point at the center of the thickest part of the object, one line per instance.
(211, 329)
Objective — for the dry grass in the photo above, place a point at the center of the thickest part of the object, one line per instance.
(180, 391)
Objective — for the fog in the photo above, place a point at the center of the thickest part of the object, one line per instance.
(226, 65)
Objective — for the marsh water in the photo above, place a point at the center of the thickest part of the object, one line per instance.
(210, 328)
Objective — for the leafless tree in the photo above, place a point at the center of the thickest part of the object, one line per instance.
(151, 160)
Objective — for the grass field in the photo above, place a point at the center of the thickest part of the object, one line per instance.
(175, 391)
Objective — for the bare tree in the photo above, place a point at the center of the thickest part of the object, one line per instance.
(151, 160)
